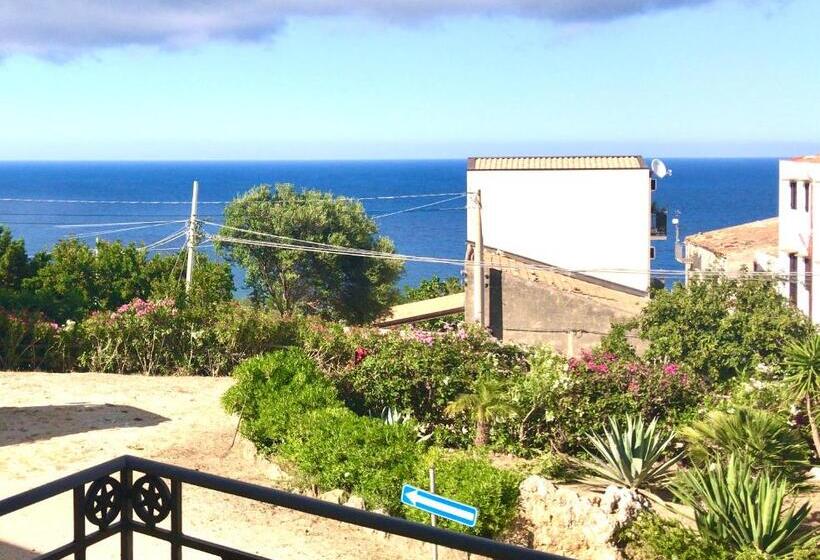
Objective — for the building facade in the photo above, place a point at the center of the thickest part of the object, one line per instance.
(799, 212)
(566, 244)
(733, 250)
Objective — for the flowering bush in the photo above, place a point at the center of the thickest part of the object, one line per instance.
(29, 342)
(560, 401)
(139, 337)
(413, 371)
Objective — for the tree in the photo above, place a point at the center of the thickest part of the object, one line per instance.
(351, 288)
(13, 260)
(485, 405)
(212, 283)
(432, 287)
(719, 327)
(803, 362)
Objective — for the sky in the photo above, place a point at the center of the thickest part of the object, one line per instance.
(367, 79)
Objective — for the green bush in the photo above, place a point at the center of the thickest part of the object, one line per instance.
(718, 328)
(414, 372)
(470, 478)
(29, 342)
(762, 438)
(652, 538)
(560, 401)
(335, 448)
(273, 392)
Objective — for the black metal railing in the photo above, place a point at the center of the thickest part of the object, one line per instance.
(659, 222)
(129, 494)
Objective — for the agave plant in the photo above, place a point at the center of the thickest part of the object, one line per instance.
(630, 455)
(735, 506)
(759, 436)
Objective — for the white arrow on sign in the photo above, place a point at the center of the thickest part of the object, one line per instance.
(415, 498)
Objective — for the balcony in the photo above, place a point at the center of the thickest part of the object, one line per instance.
(657, 230)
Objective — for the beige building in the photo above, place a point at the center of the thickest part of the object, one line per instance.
(745, 247)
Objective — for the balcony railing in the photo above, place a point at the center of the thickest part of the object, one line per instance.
(659, 222)
(129, 494)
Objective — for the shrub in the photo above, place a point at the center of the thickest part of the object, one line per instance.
(418, 372)
(273, 392)
(139, 337)
(227, 334)
(630, 455)
(741, 509)
(559, 401)
(30, 342)
(652, 538)
(718, 328)
(762, 438)
(470, 478)
(335, 448)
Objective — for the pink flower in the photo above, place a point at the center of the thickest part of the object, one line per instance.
(359, 355)
(671, 369)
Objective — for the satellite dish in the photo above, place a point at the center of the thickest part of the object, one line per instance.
(659, 169)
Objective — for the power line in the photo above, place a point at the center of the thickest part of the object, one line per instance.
(419, 207)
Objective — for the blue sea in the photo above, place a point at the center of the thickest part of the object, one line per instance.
(705, 193)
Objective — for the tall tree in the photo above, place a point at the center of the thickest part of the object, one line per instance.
(13, 260)
(352, 288)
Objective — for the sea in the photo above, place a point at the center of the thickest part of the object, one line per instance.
(108, 199)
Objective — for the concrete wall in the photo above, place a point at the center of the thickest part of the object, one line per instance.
(594, 220)
(540, 307)
(797, 230)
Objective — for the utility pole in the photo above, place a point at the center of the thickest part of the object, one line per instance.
(189, 271)
(478, 272)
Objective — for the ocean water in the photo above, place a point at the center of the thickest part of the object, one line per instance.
(705, 193)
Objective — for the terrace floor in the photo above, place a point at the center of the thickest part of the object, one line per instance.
(56, 424)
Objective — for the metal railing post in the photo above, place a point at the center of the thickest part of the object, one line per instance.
(126, 516)
(176, 517)
(79, 522)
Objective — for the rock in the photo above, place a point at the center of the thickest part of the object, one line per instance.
(355, 502)
(567, 521)
(337, 496)
(814, 473)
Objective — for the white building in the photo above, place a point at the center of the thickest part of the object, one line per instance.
(589, 214)
(799, 211)
(566, 245)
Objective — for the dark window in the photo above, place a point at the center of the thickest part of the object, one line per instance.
(793, 278)
(757, 267)
(793, 192)
(807, 272)
(651, 252)
(807, 189)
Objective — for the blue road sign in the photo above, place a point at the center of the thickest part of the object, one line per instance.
(439, 505)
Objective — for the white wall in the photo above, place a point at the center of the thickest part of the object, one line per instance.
(591, 220)
(797, 227)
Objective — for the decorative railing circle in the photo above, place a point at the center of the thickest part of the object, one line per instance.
(151, 499)
(103, 501)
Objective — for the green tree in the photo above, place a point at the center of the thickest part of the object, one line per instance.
(486, 404)
(212, 283)
(719, 327)
(64, 286)
(351, 288)
(432, 287)
(803, 361)
(13, 260)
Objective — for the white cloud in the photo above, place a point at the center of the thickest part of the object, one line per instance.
(66, 28)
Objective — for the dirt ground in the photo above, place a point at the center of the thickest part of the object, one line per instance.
(52, 425)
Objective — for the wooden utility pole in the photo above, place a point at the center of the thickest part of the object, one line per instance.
(189, 271)
(478, 269)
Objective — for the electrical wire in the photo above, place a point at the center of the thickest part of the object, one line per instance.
(112, 224)
(119, 230)
(419, 207)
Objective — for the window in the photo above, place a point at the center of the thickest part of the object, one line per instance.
(651, 252)
(807, 189)
(793, 192)
(653, 185)
(807, 272)
(793, 278)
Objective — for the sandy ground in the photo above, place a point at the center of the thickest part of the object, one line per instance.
(52, 425)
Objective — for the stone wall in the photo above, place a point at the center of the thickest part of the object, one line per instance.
(540, 306)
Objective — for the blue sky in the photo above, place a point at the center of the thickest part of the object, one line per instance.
(672, 78)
